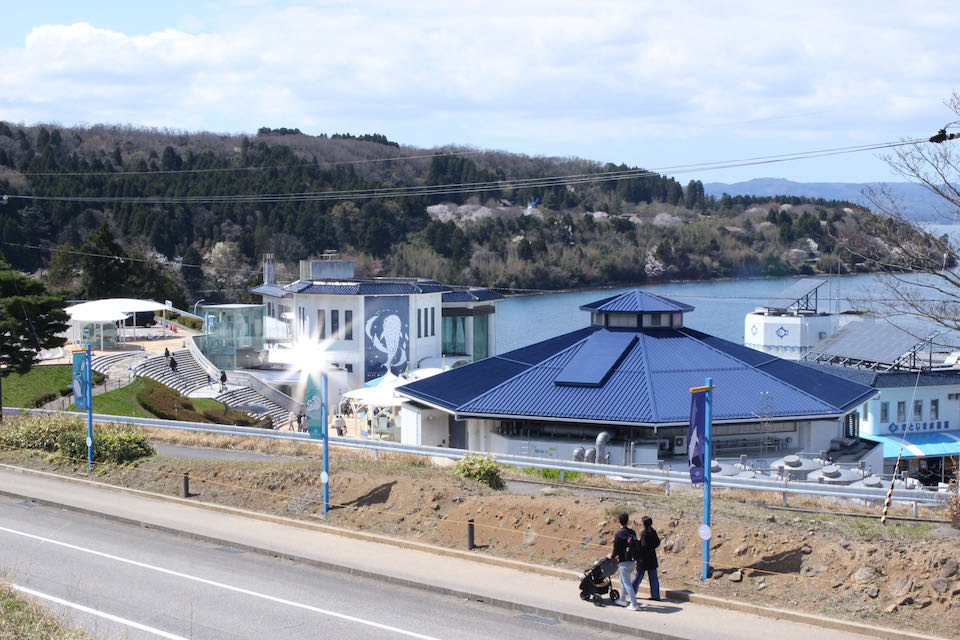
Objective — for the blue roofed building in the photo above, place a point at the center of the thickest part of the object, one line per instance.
(618, 391)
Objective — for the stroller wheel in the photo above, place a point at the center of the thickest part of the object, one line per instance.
(584, 595)
(597, 600)
(614, 595)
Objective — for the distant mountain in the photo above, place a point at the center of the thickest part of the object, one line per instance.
(916, 202)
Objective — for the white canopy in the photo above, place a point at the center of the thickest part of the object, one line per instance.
(373, 397)
(110, 309)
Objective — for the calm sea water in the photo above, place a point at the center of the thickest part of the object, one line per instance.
(719, 306)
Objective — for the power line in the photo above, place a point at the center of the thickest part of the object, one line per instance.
(462, 188)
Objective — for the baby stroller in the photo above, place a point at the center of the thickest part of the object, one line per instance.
(595, 581)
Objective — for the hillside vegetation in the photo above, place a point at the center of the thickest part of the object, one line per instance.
(171, 215)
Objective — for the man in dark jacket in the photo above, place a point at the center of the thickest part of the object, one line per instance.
(624, 546)
(647, 558)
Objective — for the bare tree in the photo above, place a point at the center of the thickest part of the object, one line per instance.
(919, 260)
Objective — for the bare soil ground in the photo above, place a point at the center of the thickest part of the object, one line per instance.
(901, 575)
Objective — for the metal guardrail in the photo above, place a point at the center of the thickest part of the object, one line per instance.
(666, 476)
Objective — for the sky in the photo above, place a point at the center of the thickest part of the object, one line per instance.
(684, 88)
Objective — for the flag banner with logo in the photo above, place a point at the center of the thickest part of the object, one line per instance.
(696, 437)
(81, 381)
(314, 407)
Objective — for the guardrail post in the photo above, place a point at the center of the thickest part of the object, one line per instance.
(786, 480)
(916, 509)
(186, 483)
(470, 545)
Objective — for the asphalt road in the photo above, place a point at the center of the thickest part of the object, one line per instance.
(122, 581)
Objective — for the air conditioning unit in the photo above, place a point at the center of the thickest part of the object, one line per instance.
(679, 443)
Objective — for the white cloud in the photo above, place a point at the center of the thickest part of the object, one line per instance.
(512, 75)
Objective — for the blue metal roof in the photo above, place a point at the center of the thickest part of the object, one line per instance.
(365, 288)
(648, 385)
(272, 290)
(637, 301)
(594, 363)
(471, 295)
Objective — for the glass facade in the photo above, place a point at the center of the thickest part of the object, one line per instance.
(454, 335)
(481, 340)
(233, 337)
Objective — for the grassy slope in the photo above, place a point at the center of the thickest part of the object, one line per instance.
(20, 617)
(20, 390)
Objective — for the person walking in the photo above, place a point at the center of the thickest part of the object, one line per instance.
(173, 364)
(625, 546)
(223, 381)
(647, 558)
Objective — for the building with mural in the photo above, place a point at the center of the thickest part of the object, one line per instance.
(373, 326)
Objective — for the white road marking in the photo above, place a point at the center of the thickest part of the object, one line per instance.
(108, 616)
(221, 585)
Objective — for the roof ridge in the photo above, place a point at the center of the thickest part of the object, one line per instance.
(527, 367)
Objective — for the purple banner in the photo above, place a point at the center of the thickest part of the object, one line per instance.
(696, 436)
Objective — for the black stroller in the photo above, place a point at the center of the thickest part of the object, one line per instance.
(595, 581)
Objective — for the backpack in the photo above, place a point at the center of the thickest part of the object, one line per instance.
(631, 550)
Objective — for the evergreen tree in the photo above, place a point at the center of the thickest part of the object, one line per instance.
(31, 319)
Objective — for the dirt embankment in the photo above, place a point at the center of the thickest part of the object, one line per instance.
(903, 574)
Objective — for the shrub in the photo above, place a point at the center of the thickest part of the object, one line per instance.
(552, 474)
(38, 432)
(166, 403)
(480, 468)
(115, 445)
(41, 400)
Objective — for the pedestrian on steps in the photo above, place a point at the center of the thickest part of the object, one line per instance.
(223, 381)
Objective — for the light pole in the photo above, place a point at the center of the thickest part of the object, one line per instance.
(195, 305)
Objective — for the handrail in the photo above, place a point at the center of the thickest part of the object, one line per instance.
(923, 495)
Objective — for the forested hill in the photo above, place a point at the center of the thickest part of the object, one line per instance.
(105, 211)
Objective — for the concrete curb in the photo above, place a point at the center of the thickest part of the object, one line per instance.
(676, 595)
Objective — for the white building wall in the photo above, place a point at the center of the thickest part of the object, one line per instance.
(422, 426)
(426, 346)
(787, 336)
(948, 410)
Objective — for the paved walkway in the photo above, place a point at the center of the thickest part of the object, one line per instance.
(529, 589)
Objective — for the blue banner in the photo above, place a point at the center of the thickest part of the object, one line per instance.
(696, 438)
(81, 381)
(314, 410)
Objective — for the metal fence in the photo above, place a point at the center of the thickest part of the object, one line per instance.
(664, 475)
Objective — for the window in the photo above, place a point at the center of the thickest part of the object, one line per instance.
(655, 320)
(480, 331)
(321, 324)
(884, 412)
(918, 409)
(851, 425)
(433, 321)
(302, 320)
(454, 332)
(419, 323)
(348, 328)
(335, 324)
(934, 409)
(901, 411)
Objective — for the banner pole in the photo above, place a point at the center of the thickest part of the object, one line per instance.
(707, 464)
(326, 442)
(89, 384)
